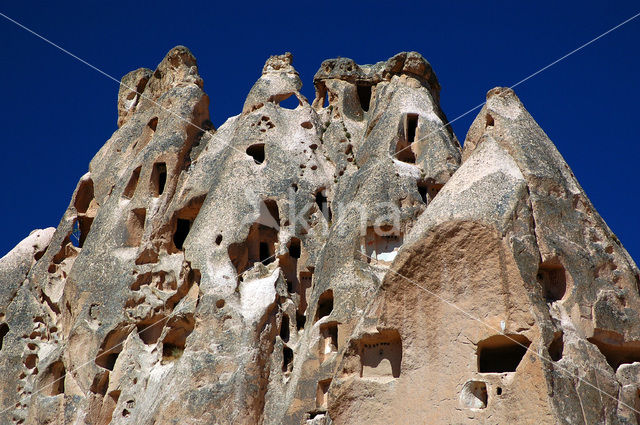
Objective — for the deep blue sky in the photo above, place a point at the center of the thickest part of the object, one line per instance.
(57, 112)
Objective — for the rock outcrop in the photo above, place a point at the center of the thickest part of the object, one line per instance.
(342, 261)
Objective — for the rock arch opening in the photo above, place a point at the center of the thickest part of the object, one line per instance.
(289, 102)
(322, 95)
(86, 208)
(84, 196)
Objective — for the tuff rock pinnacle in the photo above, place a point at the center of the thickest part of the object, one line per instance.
(339, 261)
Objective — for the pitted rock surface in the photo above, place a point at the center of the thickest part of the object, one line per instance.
(339, 261)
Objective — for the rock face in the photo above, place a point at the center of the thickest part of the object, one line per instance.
(336, 262)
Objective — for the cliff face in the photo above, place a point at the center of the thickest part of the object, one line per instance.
(342, 261)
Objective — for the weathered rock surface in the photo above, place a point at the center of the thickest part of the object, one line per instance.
(343, 261)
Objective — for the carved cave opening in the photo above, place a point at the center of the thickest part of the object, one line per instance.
(556, 347)
(615, 349)
(258, 247)
(364, 95)
(381, 244)
(111, 347)
(428, 189)
(328, 339)
(182, 231)
(284, 328)
(175, 340)
(323, 204)
(501, 353)
(287, 359)
(150, 330)
(553, 278)
(130, 188)
(4, 330)
(325, 304)
(158, 178)
(404, 147)
(86, 208)
(381, 354)
(474, 395)
(256, 151)
(52, 383)
(184, 219)
(135, 226)
(301, 320)
(322, 393)
(294, 248)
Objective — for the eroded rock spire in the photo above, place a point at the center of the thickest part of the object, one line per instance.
(337, 261)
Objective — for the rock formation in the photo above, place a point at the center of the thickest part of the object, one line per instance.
(343, 261)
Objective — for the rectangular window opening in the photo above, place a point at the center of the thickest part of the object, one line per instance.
(364, 96)
(411, 128)
(158, 178)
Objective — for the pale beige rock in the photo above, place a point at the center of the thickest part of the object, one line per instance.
(342, 261)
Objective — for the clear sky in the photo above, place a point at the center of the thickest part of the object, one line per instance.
(57, 112)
